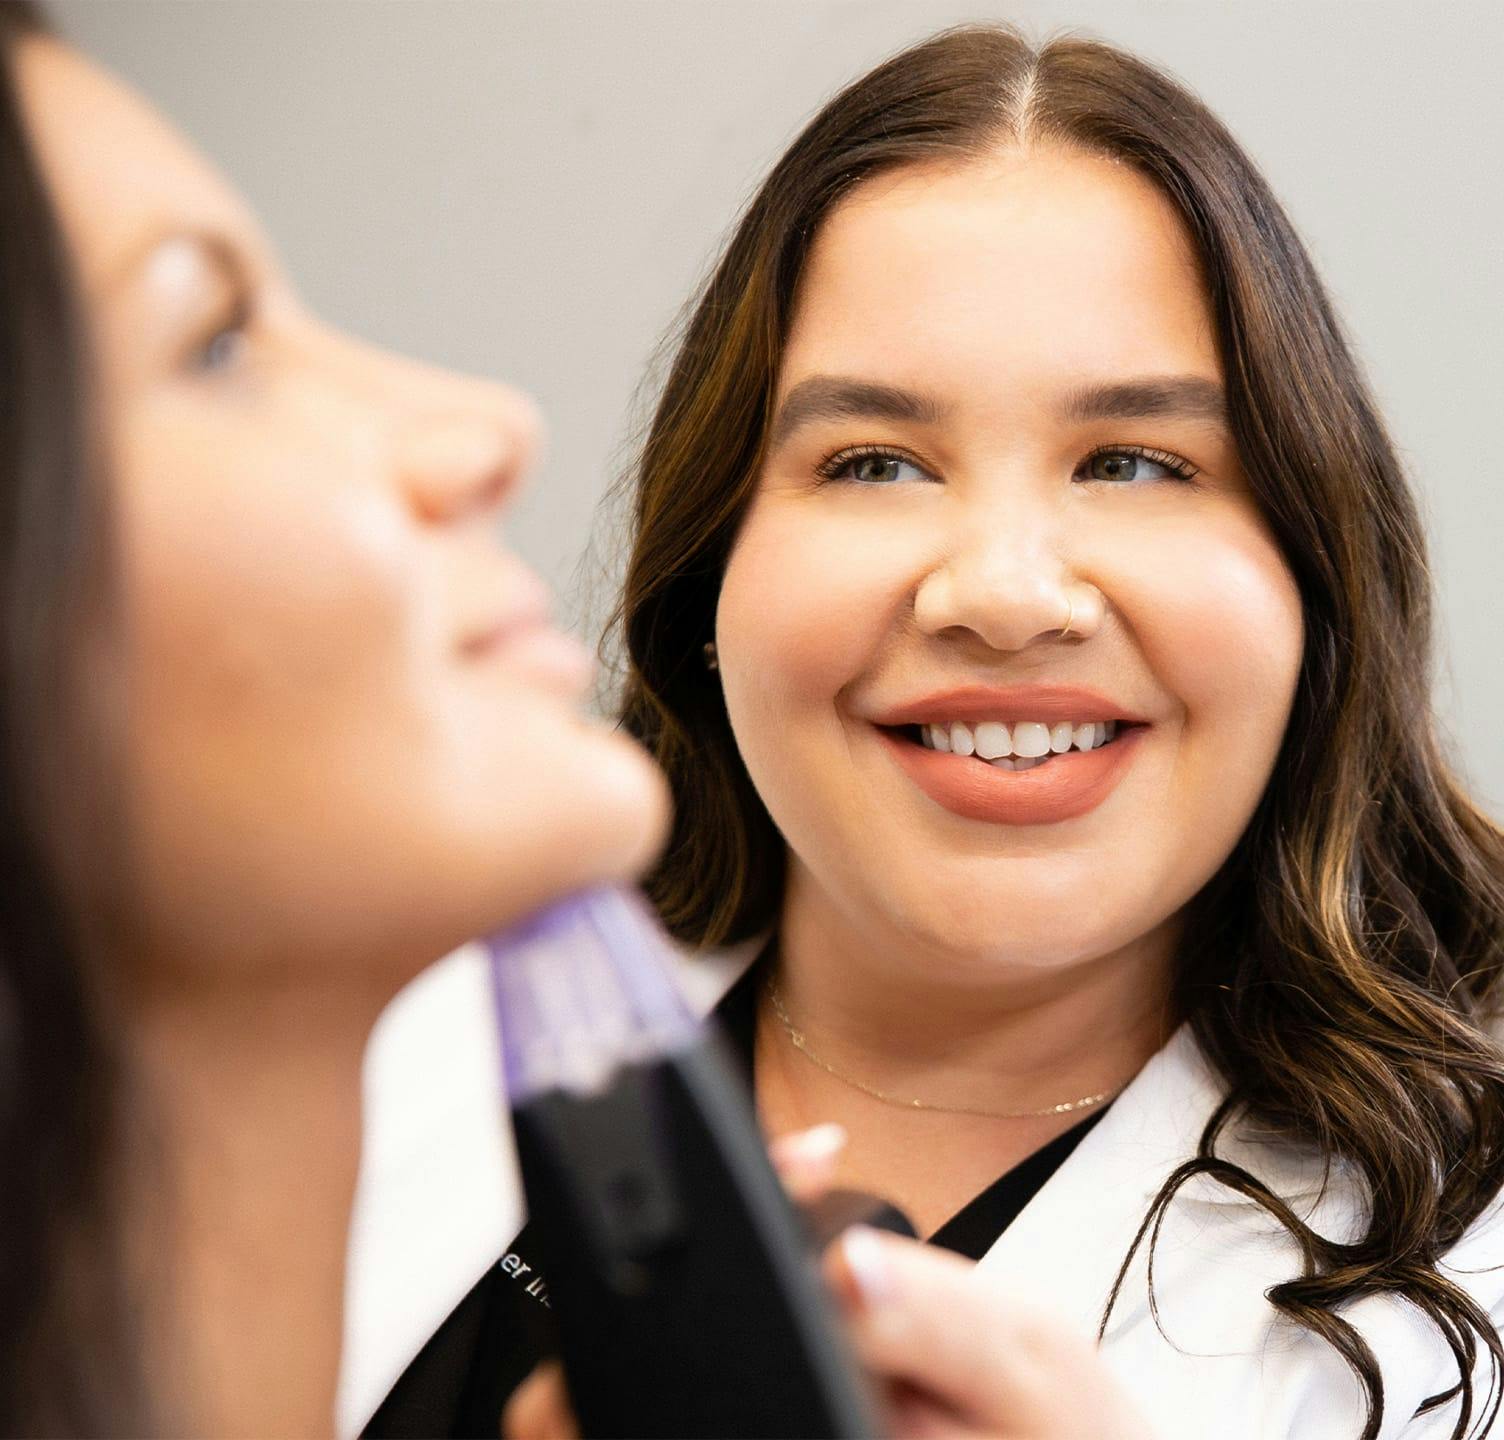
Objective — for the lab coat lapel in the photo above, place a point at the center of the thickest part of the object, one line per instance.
(1063, 1251)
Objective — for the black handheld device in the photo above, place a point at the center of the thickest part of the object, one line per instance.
(683, 1288)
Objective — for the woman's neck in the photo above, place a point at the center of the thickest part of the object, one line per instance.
(253, 1102)
(954, 1032)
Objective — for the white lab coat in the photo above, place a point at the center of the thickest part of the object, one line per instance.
(438, 1203)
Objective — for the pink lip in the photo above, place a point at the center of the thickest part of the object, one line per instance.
(504, 625)
(968, 703)
(1068, 786)
(481, 643)
(527, 641)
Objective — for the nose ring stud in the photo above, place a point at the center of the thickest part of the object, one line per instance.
(1070, 617)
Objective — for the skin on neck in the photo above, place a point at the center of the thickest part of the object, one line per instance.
(238, 1219)
(874, 1005)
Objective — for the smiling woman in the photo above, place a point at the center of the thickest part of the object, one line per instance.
(1051, 328)
(1068, 737)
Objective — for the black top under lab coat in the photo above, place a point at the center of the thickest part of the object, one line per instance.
(461, 1380)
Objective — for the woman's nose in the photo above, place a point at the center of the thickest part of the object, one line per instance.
(462, 464)
(1004, 580)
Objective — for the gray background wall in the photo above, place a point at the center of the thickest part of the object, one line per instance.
(531, 188)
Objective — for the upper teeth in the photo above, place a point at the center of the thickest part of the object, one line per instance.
(992, 740)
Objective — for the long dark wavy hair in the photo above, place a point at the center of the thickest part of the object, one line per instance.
(65, 1366)
(1348, 951)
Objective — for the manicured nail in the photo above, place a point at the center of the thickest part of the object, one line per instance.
(862, 1252)
(820, 1142)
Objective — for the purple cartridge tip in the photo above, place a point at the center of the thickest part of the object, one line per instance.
(582, 988)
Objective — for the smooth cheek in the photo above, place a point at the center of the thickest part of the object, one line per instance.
(251, 584)
(268, 653)
(809, 597)
(1217, 616)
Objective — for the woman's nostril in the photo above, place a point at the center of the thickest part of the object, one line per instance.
(458, 468)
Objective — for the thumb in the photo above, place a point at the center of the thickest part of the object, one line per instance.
(929, 1321)
(918, 1315)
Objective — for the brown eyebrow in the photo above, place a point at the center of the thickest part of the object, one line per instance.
(832, 397)
(1191, 396)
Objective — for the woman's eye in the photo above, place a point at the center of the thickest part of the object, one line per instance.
(223, 340)
(872, 468)
(1130, 465)
(221, 350)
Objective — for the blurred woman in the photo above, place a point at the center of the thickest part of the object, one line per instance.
(281, 723)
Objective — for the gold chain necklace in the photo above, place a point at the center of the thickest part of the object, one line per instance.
(796, 1038)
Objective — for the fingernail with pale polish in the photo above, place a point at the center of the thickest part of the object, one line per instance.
(862, 1252)
(818, 1143)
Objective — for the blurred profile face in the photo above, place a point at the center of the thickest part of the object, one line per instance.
(999, 410)
(352, 730)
